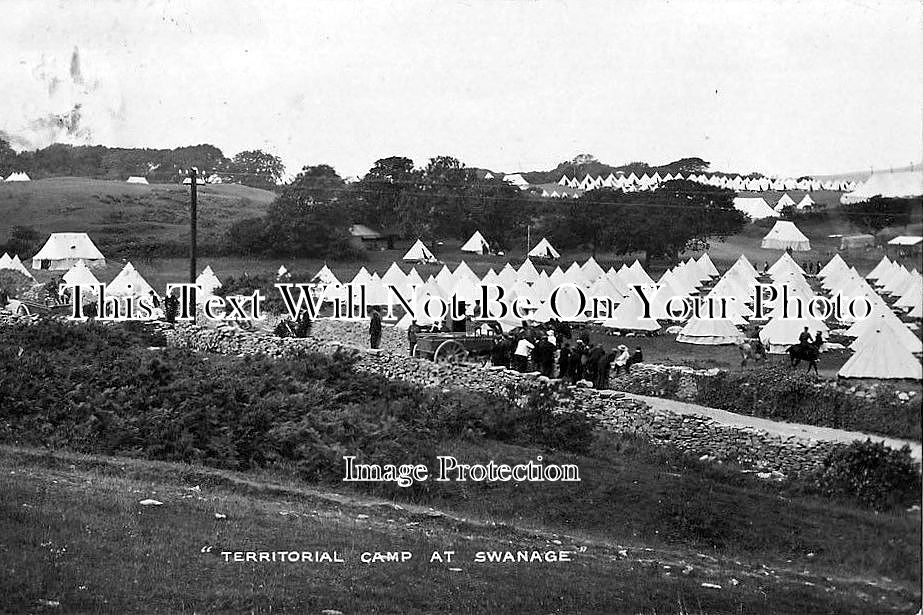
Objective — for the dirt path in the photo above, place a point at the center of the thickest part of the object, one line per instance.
(784, 430)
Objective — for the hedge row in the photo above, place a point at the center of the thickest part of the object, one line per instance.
(779, 394)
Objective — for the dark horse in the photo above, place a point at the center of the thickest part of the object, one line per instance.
(804, 352)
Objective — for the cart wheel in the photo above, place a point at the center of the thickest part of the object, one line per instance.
(413, 352)
(450, 351)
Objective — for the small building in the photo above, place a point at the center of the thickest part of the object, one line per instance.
(368, 238)
(850, 242)
(907, 244)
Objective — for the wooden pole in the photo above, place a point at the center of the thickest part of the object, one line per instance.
(193, 181)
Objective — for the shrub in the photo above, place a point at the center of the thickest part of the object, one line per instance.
(13, 283)
(777, 393)
(872, 473)
(96, 388)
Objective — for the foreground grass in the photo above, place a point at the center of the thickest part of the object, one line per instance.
(74, 534)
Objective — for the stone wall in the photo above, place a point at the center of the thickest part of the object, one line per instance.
(648, 379)
(704, 437)
(693, 434)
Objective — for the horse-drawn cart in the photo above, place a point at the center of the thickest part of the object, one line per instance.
(458, 347)
(26, 307)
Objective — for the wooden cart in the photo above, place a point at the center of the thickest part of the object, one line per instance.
(454, 347)
(25, 307)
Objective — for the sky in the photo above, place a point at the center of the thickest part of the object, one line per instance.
(784, 88)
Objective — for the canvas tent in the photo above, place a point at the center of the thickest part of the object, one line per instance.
(18, 177)
(806, 202)
(899, 184)
(707, 266)
(709, 332)
(419, 253)
(785, 235)
(544, 249)
(755, 207)
(80, 275)
(780, 333)
(14, 264)
(208, 281)
(785, 201)
(476, 244)
(135, 179)
(880, 357)
(129, 283)
(63, 250)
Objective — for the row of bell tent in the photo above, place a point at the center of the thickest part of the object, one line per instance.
(692, 278)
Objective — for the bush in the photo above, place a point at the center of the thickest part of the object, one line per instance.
(872, 473)
(779, 394)
(13, 283)
(96, 388)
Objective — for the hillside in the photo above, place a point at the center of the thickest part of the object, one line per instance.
(127, 219)
(161, 559)
(226, 434)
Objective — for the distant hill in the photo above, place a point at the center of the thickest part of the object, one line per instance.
(127, 219)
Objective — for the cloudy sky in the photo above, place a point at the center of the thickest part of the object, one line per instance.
(779, 87)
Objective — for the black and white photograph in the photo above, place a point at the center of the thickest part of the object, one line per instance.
(459, 307)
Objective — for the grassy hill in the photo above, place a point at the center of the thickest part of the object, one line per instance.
(126, 219)
(651, 530)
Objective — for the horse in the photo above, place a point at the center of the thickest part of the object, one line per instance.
(751, 350)
(803, 352)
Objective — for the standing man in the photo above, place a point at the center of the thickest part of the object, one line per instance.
(596, 353)
(521, 354)
(564, 362)
(412, 333)
(602, 370)
(375, 329)
(545, 358)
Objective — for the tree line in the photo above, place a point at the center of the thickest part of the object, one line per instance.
(445, 199)
(251, 168)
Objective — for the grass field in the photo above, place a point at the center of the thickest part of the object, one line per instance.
(118, 215)
(76, 538)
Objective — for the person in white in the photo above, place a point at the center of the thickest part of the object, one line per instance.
(621, 358)
(521, 354)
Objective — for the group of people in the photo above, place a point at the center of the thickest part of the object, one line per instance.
(547, 350)
(543, 351)
(810, 268)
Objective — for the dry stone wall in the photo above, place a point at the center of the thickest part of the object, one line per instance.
(693, 434)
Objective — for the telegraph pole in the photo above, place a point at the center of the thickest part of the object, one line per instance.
(193, 180)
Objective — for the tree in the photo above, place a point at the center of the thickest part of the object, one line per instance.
(686, 166)
(23, 240)
(9, 160)
(678, 214)
(445, 187)
(497, 209)
(380, 191)
(877, 213)
(305, 219)
(257, 169)
(659, 223)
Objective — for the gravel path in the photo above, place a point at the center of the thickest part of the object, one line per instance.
(798, 430)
